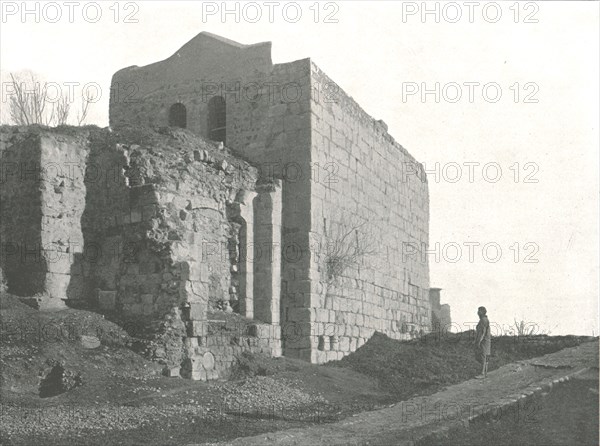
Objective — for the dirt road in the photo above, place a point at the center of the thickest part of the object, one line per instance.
(437, 415)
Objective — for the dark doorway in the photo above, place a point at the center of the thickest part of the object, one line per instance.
(178, 116)
(217, 119)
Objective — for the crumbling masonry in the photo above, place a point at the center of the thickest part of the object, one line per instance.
(278, 202)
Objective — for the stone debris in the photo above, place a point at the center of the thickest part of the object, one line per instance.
(262, 392)
(89, 342)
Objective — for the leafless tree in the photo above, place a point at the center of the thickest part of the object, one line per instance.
(27, 105)
(61, 110)
(29, 102)
(86, 100)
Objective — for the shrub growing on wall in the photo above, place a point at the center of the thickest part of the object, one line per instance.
(348, 243)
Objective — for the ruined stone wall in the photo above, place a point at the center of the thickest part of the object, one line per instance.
(365, 201)
(213, 354)
(267, 124)
(140, 225)
(42, 201)
(181, 248)
(21, 213)
(158, 215)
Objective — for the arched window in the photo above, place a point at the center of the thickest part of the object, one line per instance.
(217, 120)
(178, 116)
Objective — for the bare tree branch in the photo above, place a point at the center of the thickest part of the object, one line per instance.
(86, 100)
(19, 110)
(63, 108)
(29, 104)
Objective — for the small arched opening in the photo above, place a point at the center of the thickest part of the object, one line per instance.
(217, 119)
(178, 115)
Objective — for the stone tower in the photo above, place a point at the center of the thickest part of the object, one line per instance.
(342, 202)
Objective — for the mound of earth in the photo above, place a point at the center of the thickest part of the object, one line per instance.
(49, 353)
(407, 368)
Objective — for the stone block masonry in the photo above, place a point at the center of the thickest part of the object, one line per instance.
(347, 211)
(363, 212)
(266, 195)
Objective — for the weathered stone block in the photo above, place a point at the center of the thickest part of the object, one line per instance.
(208, 361)
(198, 311)
(89, 342)
(180, 251)
(193, 291)
(191, 343)
(344, 344)
(353, 344)
(300, 314)
(198, 328)
(57, 285)
(172, 372)
(199, 375)
(322, 315)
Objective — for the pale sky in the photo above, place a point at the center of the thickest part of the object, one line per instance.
(375, 53)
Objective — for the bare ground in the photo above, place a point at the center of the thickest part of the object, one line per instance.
(111, 395)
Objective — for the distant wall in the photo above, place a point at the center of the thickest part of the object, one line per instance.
(445, 316)
(441, 318)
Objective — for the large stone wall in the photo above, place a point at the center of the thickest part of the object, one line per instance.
(21, 213)
(368, 210)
